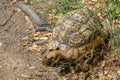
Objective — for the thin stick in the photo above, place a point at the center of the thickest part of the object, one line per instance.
(43, 29)
(8, 18)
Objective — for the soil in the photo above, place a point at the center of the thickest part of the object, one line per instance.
(17, 63)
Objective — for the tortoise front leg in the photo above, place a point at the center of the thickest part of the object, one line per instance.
(51, 56)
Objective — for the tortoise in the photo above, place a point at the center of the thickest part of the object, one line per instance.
(77, 33)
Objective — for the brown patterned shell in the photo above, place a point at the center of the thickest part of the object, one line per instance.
(75, 34)
(76, 28)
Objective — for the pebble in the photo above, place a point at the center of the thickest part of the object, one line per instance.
(1, 44)
(25, 38)
(31, 67)
(25, 76)
(118, 72)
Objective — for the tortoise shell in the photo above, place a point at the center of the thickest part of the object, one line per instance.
(76, 28)
(75, 34)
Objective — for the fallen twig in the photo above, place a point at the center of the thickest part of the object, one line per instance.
(43, 29)
(41, 42)
(8, 18)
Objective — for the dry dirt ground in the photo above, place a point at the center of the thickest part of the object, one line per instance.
(16, 63)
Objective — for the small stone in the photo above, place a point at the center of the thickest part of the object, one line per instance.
(1, 44)
(25, 76)
(25, 38)
(118, 72)
(31, 67)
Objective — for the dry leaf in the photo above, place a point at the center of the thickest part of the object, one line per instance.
(14, 1)
(36, 38)
(25, 76)
(34, 48)
(47, 34)
(25, 1)
(59, 16)
(28, 20)
(54, 10)
(25, 43)
(43, 38)
(17, 9)
(36, 34)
